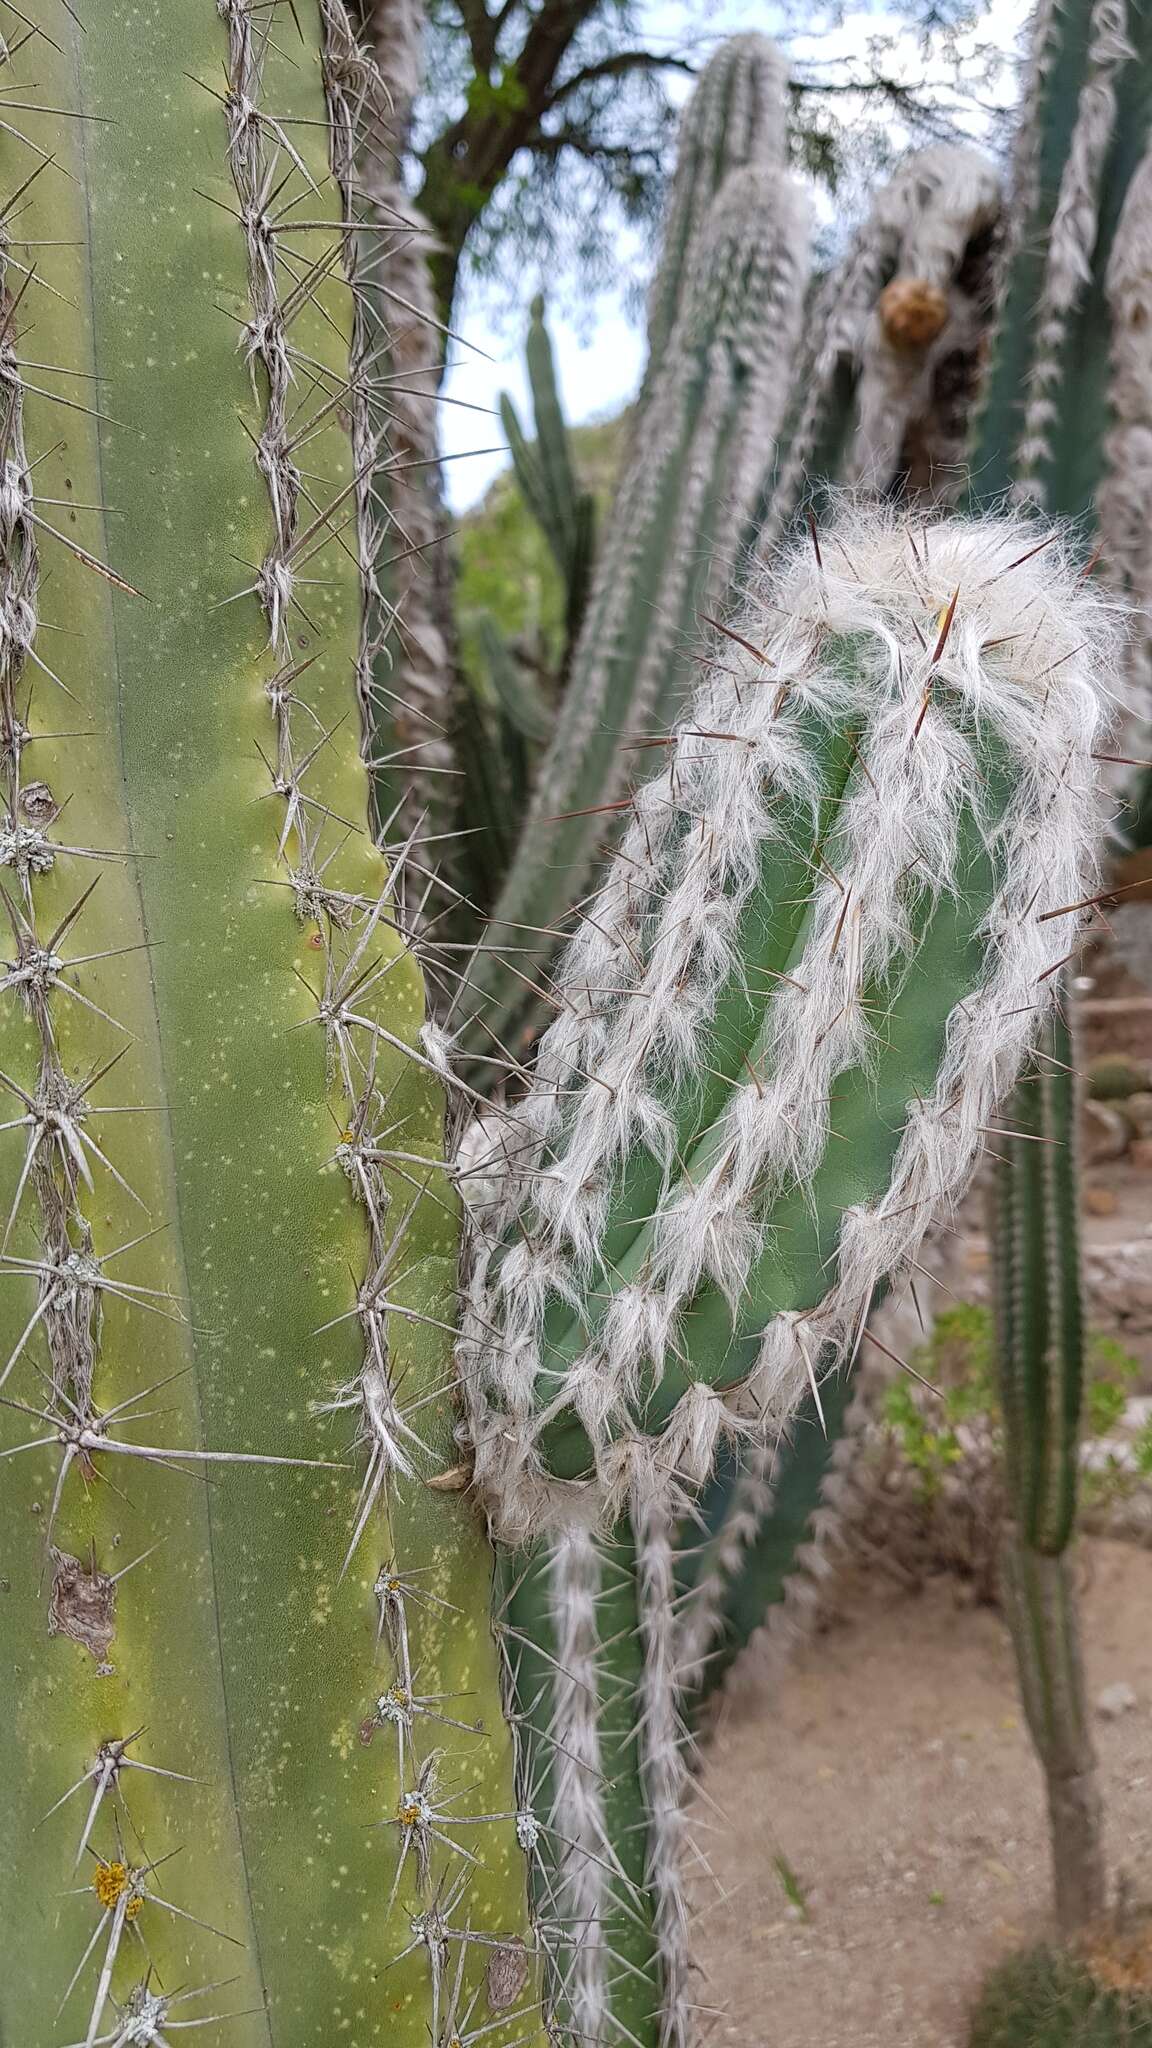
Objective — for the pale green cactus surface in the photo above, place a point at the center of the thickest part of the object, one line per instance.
(249, 1713)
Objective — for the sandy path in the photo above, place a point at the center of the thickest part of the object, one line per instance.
(890, 1769)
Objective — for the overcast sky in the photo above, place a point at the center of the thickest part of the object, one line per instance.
(599, 370)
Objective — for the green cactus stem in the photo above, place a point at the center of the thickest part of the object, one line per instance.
(546, 476)
(1040, 1369)
(665, 557)
(768, 1513)
(250, 1715)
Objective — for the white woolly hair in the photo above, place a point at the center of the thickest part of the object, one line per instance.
(941, 199)
(919, 226)
(959, 629)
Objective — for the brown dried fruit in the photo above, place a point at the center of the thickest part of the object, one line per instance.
(912, 312)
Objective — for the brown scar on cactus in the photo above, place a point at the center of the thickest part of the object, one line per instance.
(82, 1605)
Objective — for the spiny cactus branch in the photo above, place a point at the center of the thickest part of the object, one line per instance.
(258, 1216)
(785, 917)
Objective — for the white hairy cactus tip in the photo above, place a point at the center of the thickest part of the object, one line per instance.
(928, 650)
(931, 214)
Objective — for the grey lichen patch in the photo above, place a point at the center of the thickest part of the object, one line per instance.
(507, 1974)
(82, 1605)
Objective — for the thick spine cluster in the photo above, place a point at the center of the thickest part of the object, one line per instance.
(665, 557)
(792, 1011)
(737, 116)
(1039, 1348)
(244, 1265)
(881, 390)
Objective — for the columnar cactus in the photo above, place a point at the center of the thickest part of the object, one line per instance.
(785, 1025)
(545, 473)
(251, 1734)
(666, 555)
(849, 828)
(1035, 1236)
(1043, 431)
(881, 389)
(737, 115)
(1066, 420)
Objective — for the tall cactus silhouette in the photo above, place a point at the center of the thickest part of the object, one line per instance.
(1067, 409)
(546, 475)
(1034, 1230)
(1064, 424)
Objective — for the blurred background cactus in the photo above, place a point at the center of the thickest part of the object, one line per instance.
(1049, 1999)
(1040, 1362)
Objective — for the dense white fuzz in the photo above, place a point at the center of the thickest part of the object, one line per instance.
(663, 1761)
(584, 1850)
(918, 229)
(938, 203)
(937, 647)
